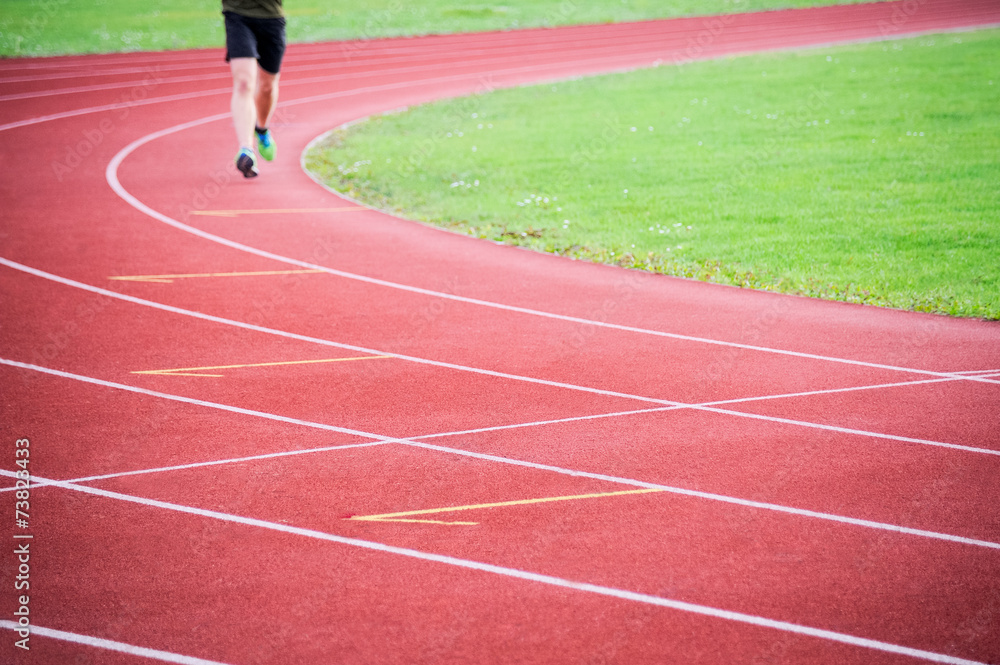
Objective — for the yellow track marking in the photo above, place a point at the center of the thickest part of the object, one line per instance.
(237, 213)
(196, 371)
(419, 521)
(394, 517)
(168, 279)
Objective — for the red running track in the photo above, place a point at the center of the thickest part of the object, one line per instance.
(742, 477)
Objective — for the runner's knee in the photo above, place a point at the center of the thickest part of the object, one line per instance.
(243, 83)
(267, 83)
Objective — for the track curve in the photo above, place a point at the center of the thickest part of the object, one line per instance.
(219, 379)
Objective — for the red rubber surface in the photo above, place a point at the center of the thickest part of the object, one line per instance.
(829, 467)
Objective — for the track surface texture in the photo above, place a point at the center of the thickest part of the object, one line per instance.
(248, 403)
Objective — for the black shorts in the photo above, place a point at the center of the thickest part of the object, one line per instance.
(260, 38)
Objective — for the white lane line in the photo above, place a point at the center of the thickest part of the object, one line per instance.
(410, 83)
(146, 83)
(324, 342)
(465, 432)
(317, 63)
(515, 462)
(828, 391)
(335, 53)
(987, 373)
(232, 460)
(441, 435)
(191, 400)
(746, 503)
(515, 573)
(62, 115)
(110, 645)
(305, 62)
(847, 430)
(307, 451)
(485, 372)
(111, 175)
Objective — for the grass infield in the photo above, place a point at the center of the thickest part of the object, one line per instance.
(48, 27)
(866, 173)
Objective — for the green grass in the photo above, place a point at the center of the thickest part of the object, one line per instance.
(866, 173)
(47, 27)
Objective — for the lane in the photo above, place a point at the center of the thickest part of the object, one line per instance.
(421, 442)
(798, 579)
(71, 331)
(175, 592)
(542, 579)
(944, 411)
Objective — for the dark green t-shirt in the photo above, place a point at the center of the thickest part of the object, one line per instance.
(254, 8)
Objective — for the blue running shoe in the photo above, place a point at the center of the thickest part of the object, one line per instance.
(247, 163)
(265, 144)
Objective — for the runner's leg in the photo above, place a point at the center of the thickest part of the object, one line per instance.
(243, 105)
(266, 97)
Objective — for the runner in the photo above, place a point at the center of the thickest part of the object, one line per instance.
(255, 44)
